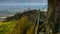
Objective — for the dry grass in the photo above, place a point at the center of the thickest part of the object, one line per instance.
(23, 26)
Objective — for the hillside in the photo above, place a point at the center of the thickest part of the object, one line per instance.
(30, 13)
(20, 23)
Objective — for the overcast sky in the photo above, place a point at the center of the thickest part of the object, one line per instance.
(12, 1)
(21, 2)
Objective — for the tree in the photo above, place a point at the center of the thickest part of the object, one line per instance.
(53, 16)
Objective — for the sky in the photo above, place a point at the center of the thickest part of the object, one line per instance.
(21, 3)
(18, 1)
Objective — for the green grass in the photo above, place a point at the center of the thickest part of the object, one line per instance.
(17, 27)
(7, 26)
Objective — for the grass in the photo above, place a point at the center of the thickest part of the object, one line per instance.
(6, 26)
(21, 26)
